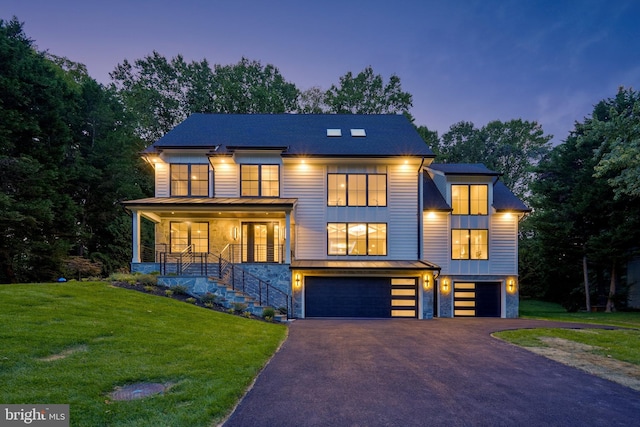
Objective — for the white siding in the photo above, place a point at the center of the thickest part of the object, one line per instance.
(306, 183)
(162, 179)
(503, 247)
(402, 201)
(225, 178)
(437, 237)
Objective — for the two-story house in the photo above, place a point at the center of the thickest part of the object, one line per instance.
(346, 214)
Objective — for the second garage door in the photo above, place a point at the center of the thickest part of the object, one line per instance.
(374, 297)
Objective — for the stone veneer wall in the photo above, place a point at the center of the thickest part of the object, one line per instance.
(427, 304)
(277, 275)
(512, 305)
(145, 267)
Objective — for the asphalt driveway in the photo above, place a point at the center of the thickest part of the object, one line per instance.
(442, 372)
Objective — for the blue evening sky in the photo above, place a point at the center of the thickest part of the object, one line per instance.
(545, 60)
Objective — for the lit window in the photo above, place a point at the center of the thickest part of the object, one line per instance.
(469, 244)
(189, 180)
(260, 180)
(184, 234)
(368, 239)
(470, 199)
(356, 189)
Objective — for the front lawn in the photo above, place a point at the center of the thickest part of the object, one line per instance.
(76, 342)
(620, 344)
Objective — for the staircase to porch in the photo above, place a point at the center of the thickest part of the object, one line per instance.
(233, 287)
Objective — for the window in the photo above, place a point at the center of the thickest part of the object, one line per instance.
(356, 189)
(184, 234)
(189, 180)
(469, 244)
(356, 238)
(470, 199)
(260, 180)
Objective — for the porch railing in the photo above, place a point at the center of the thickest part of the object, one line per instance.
(239, 253)
(227, 272)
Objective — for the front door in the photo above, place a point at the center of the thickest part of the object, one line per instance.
(258, 242)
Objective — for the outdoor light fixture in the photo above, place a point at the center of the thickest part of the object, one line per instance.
(297, 280)
(511, 286)
(427, 282)
(445, 285)
(235, 233)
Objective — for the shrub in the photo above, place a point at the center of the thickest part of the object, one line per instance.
(180, 289)
(268, 313)
(149, 288)
(148, 280)
(191, 300)
(247, 314)
(239, 307)
(168, 292)
(77, 266)
(210, 298)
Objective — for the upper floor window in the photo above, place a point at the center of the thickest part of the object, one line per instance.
(189, 180)
(260, 180)
(469, 244)
(356, 238)
(470, 199)
(356, 189)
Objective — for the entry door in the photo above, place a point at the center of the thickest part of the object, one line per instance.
(258, 242)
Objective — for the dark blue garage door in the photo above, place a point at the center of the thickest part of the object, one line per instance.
(347, 297)
(480, 299)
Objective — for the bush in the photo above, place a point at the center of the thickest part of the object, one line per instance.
(148, 279)
(268, 313)
(168, 292)
(191, 300)
(239, 307)
(180, 289)
(77, 266)
(210, 298)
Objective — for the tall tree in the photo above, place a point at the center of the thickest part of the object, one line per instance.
(366, 93)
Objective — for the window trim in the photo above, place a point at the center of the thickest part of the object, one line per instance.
(366, 191)
(366, 225)
(189, 180)
(469, 244)
(469, 212)
(189, 228)
(260, 165)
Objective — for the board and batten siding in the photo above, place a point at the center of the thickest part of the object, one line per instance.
(503, 246)
(305, 182)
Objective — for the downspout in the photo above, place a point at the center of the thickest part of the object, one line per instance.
(420, 208)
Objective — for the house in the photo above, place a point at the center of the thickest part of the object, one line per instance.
(343, 215)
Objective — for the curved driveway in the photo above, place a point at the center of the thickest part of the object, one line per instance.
(441, 372)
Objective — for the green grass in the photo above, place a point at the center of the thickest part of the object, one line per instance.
(116, 337)
(621, 344)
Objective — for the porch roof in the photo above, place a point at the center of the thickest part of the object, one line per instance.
(217, 203)
(362, 265)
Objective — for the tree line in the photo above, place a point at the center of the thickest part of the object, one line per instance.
(69, 153)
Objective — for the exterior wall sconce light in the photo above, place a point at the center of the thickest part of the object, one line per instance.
(445, 285)
(298, 281)
(511, 286)
(426, 280)
(235, 233)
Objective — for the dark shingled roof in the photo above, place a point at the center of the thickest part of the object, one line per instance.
(432, 199)
(463, 169)
(298, 134)
(505, 200)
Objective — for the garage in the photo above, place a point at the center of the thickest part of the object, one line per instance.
(371, 297)
(480, 299)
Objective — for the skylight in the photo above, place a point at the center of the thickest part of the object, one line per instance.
(334, 132)
(358, 132)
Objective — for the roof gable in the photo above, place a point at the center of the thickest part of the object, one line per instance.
(463, 169)
(300, 134)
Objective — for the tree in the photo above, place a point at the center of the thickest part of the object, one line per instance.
(620, 148)
(512, 148)
(579, 228)
(366, 93)
(250, 87)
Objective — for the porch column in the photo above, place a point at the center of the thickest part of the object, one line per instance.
(287, 241)
(136, 237)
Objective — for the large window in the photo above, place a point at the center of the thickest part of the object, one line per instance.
(469, 244)
(260, 180)
(470, 199)
(189, 180)
(356, 238)
(184, 234)
(356, 189)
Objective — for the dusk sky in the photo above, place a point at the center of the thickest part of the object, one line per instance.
(547, 60)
